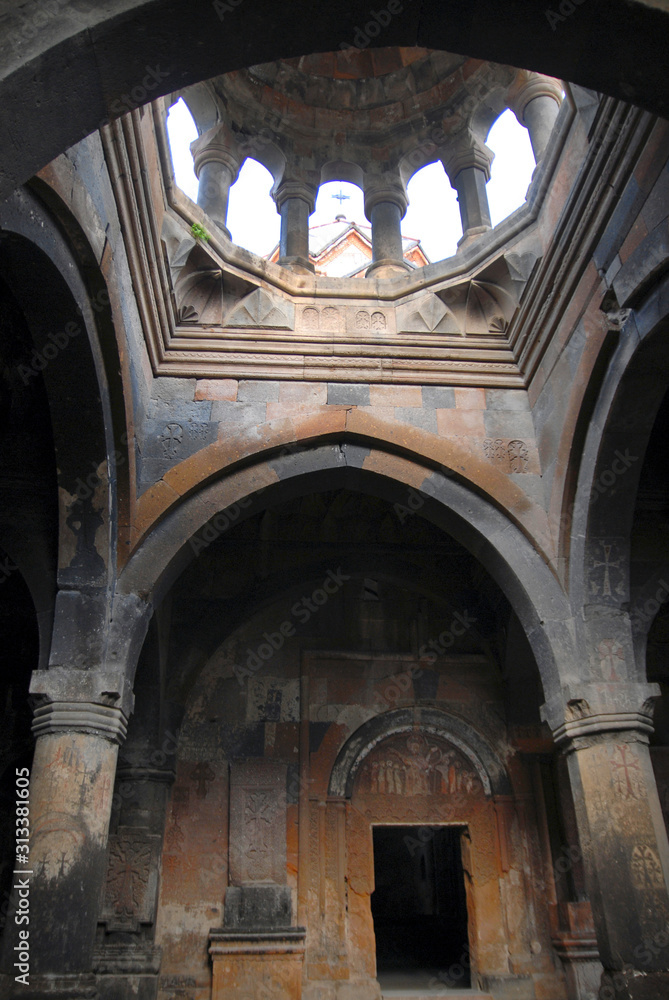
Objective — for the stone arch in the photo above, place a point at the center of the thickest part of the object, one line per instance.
(64, 319)
(488, 532)
(619, 427)
(463, 736)
(114, 58)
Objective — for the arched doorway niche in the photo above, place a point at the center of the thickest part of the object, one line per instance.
(304, 621)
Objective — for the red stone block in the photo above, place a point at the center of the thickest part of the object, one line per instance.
(217, 389)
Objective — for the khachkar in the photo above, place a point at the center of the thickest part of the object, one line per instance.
(258, 953)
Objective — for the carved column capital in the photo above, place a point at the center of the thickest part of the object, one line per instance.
(466, 152)
(526, 87)
(385, 189)
(217, 145)
(595, 710)
(295, 188)
(80, 717)
(98, 702)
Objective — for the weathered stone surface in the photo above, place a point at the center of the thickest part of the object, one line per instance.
(257, 823)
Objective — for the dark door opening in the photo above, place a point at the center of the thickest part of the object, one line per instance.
(419, 905)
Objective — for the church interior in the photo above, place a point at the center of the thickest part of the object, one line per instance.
(333, 606)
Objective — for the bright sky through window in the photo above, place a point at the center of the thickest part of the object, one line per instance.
(432, 216)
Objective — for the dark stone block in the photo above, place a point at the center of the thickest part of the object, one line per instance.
(317, 731)
(343, 394)
(244, 741)
(292, 784)
(438, 397)
(627, 209)
(425, 685)
(257, 907)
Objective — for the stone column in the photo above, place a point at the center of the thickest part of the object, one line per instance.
(216, 158)
(604, 733)
(295, 201)
(70, 802)
(385, 207)
(467, 164)
(535, 101)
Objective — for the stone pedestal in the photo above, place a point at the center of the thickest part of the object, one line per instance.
(258, 954)
(574, 940)
(257, 965)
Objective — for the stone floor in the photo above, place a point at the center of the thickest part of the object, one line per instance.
(422, 985)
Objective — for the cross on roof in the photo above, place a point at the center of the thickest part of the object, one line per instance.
(341, 197)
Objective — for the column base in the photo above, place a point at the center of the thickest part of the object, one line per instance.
(128, 970)
(470, 235)
(634, 984)
(573, 936)
(388, 267)
(81, 986)
(223, 230)
(508, 987)
(300, 265)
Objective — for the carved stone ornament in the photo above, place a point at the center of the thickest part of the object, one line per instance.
(132, 875)
(264, 311)
(509, 456)
(257, 822)
(414, 764)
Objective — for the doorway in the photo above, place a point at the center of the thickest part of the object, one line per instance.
(419, 907)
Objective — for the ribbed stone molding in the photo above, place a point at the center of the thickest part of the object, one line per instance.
(591, 710)
(604, 722)
(289, 941)
(526, 87)
(80, 717)
(132, 772)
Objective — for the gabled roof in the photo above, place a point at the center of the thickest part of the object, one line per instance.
(344, 249)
